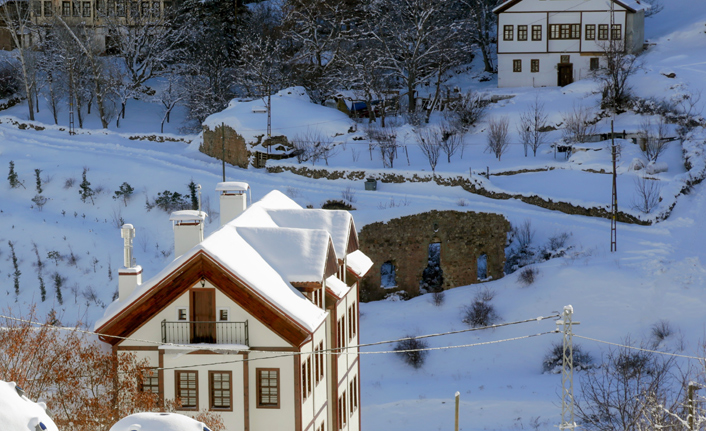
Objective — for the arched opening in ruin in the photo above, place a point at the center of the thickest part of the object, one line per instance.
(433, 275)
(482, 267)
(387, 275)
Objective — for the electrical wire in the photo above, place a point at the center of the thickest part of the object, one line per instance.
(642, 349)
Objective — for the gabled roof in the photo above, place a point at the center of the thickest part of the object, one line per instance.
(630, 5)
(260, 260)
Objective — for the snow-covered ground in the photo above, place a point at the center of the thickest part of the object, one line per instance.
(657, 272)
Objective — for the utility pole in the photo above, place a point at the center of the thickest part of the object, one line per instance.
(614, 198)
(458, 399)
(691, 419)
(567, 369)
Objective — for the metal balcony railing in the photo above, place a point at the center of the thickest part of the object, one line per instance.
(188, 332)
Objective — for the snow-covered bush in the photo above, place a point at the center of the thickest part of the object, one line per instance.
(410, 351)
(437, 298)
(335, 204)
(498, 136)
(168, 201)
(468, 111)
(647, 194)
(528, 275)
(578, 125)
(554, 360)
(481, 312)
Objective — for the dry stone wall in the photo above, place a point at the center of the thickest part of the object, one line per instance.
(236, 152)
(464, 236)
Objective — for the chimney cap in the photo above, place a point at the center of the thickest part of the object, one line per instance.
(232, 186)
(188, 215)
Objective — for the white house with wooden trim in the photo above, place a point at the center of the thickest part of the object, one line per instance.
(255, 321)
(544, 43)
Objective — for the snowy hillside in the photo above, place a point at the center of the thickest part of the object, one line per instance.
(74, 249)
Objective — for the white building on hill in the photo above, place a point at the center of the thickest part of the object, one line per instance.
(243, 322)
(556, 42)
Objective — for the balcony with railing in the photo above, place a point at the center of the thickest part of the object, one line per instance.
(188, 332)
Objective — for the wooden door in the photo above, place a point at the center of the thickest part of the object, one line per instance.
(203, 316)
(566, 73)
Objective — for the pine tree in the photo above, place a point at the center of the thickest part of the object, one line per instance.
(85, 190)
(192, 193)
(16, 274)
(37, 172)
(12, 176)
(124, 193)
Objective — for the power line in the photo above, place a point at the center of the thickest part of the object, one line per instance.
(642, 349)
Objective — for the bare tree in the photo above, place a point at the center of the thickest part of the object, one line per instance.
(482, 28)
(169, 97)
(451, 141)
(619, 64)
(15, 19)
(417, 38)
(647, 194)
(313, 145)
(468, 111)
(429, 141)
(385, 139)
(654, 138)
(578, 125)
(626, 392)
(497, 136)
(532, 126)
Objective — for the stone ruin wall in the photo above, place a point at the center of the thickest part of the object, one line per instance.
(404, 241)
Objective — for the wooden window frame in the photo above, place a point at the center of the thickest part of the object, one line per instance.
(65, 7)
(603, 31)
(564, 31)
(177, 392)
(48, 9)
(142, 377)
(186, 314)
(565, 59)
(616, 32)
(516, 66)
(306, 378)
(594, 63)
(590, 32)
(353, 392)
(86, 11)
(342, 409)
(522, 32)
(537, 33)
(258, 376)
(212, 397)
(219, 314)
(508, 32)
(75, 8)
(534, 65)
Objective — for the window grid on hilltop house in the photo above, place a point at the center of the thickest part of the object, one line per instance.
(221, 390)
(534, 66)
(602, 31)
(537, 32)
(564, 31)
(187, 389)
(268, 388)
(517, 65)
(616, 32)
(351, 321)
(342, 407)
(522, 32)
(306, 378)
(341, 334)
(87, 9)
(590, 31)
(508, 32)
(48, 10)
(319, 362)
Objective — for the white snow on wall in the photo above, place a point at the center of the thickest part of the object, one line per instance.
(158, 422)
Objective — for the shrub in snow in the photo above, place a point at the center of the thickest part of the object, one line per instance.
(69, 182)
(38, 180)
(481, 312)
(409, 350)
(578, 125)
(437, 298)
(468, 111)
(168, 201)
(348, 195)
(553, 361)
(528, 275)
(334, 204)
(39, 201)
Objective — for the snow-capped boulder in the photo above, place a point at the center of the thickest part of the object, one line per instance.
(158, 422)
(19, 413)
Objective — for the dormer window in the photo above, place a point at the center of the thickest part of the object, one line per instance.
(182, 314)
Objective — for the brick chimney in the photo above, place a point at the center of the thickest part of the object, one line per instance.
(188, 229)
(233, 199)
(130, 276)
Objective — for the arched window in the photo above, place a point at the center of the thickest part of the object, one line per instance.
(387, 275)
(482, 266)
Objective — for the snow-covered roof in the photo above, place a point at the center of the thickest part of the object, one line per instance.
(359, 263)
(19, 413)
(188, 215)
(337, 287)
(631, 5)
(337, 223)
(293, 114)
(232, 186)
(158, 422)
